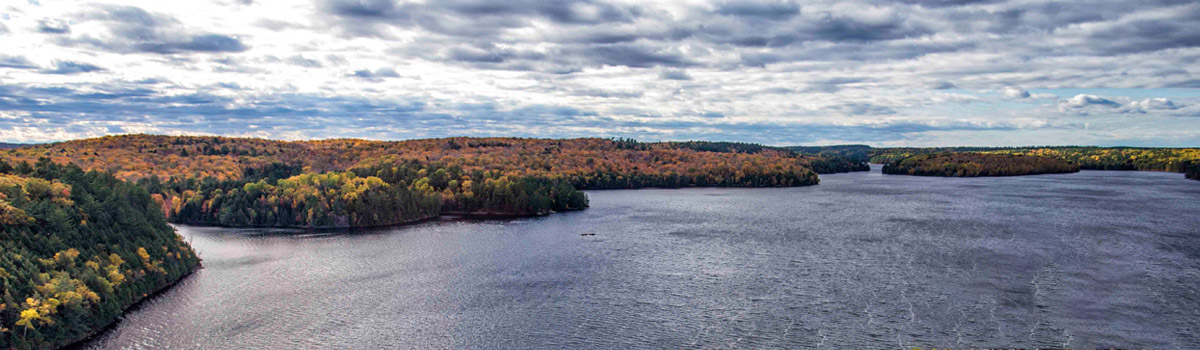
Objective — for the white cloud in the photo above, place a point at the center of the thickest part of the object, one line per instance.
(403, 70)
(1087, 100)
(1015, 92)
(1157, 103)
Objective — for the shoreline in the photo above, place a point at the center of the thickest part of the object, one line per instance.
(79, 343)
(443, 215)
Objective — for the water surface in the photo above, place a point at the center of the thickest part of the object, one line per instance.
(863, 260)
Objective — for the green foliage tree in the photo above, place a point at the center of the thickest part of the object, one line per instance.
(64, 243)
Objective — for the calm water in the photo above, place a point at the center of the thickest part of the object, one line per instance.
(865, 261)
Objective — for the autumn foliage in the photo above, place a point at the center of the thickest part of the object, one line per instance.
(349, 183)
(977, 164)
(1089, 158)
(76, 248)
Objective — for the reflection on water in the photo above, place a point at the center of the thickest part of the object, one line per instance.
(865, 261)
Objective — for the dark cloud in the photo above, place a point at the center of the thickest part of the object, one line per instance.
(199, 43)
(859, 108)
(1177, 27)
(108, 102)
(948, 3)
(839, 53)
(602, 93)
(150, 81)
(361, 8)
(774, 10)
(472, 54)
(375, 75)
(136, 30)
(593, 33)
(813, 27)
(637, 56)
(942, 85)
(71, 67)
(777, 90)
(479, 18)
(18, 62)
(674, 74)
(834, 84)
(52, 26)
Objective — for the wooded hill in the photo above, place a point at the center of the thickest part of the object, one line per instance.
(345, 182)
(76, 248)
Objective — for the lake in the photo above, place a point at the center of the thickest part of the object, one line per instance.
(863, 260)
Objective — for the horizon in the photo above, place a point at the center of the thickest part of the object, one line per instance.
(569, 138)
(977, 73)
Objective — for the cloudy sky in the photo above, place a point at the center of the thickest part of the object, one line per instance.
(912, 72)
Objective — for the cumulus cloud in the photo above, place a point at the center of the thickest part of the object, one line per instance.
(1084, 100)
(1153, 104)
(1087, 100)
(1015, 92)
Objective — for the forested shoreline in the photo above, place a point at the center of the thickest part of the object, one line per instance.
(1088, 158)
(85, 231)
(360, 183)
(1178, 160)
(77, 249)
(977, 164)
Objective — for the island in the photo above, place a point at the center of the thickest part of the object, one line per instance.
(969, 164)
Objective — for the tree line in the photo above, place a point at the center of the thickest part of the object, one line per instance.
(1178, 160)
(977, 164)
(340, 183)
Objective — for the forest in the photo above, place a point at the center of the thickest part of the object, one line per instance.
(356, 183)
(77, 248)
(968, 164)
(1087, 157)
(1090, 158)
